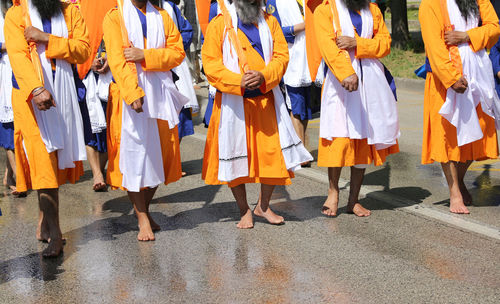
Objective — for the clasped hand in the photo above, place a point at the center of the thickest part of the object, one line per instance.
(133, 54)
(455, 37)
(252, 80)
(461, 85)
(43, 99)
(100, 65)
(32, 34)
(346, 43)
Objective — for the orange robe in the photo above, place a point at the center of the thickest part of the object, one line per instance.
(266, 163)
(36, 168)
(343, 151)
(126, 88)
(440, 136)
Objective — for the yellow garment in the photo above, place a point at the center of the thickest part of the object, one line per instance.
(42, 171)
(265, 159)
(341, 151)
(127, 88)
(440, 136)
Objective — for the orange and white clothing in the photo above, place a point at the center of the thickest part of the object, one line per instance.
(360, 127)
(52, 140)
(143, 148)
(250, 137)
(459, 127)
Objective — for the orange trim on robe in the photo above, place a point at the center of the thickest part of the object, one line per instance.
(127, 88)
(265, 159)
(440, 136)
(342, 151)
(36, 168)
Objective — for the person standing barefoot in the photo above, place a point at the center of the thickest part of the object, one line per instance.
(359, 121)
(143, 140)
(461, 106)
(243, 143)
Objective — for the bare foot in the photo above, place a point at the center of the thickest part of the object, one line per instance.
(99, 185)
(145, 231)
(457, 205)
(269, 215)
(183, 174)
(331, 204)
(154, 225)
(357, 209)
(42, 231)
(54, 249)
(246, 221)
(467, 198)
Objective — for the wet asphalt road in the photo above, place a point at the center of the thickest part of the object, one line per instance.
(394, 256)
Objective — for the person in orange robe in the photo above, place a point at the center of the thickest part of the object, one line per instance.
(266, 164)
(344, 151)
(93, 12)
(439, 135)
(41, 173)
(126, 89)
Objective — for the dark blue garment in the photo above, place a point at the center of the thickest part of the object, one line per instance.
(495, 62)
(288, 31)
(208, 111)
(356, 20)
(424, 69)
(144, 23)
(7, 135)
(183, 26)
(252, 33)
(300, 100)
(1, 53)
(185, 123)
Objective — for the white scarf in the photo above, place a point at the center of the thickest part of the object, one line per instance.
(141, 160)
(96, 112)
(6, 113)
(460, 109)
(233, 153)
(61, 127)
(370, 112)
(185, 82)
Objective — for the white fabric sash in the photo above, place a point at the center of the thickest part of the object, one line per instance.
(6, 113)
(370, 112)
(233, 153)
(460, 109)
(61, 127)
(211, 89)
(103, 85)
(96, 112)
(185, 82)
(141, 160)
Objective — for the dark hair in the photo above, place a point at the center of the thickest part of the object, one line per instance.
(47, 8)
(468, 8)
(5, 5)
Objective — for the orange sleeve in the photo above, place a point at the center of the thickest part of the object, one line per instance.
(172, 55)
(217, 74)
(380, 45)
(275, 69)
(76, 48)
(336, 59)
(487, 34)
(18, 51)
(432, 26)
(125, 77)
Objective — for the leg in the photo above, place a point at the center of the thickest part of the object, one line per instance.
(95, 165)
(183, 173)
(462, 169)
(48, 200)
(240, 195)
(300, 127)
(450, 170)
(262, 209)
(149, 193)
(11, 171)
(353, 205)
(103, 159)
(42, 231)
(139, 202)
(331, 204)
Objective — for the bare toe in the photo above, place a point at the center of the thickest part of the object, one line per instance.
(358, 210)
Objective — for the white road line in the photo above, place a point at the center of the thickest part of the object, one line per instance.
(403, 204)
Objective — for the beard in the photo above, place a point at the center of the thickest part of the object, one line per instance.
(468, 8)
(248, 12)
(356, 5)
(47, 8)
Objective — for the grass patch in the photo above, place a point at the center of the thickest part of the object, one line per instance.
(411, 11)
(403, 63)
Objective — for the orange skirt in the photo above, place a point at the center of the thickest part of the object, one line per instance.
(169, 140)
(35, 168)
(440, 136)
(266, 164)
(346, 152)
